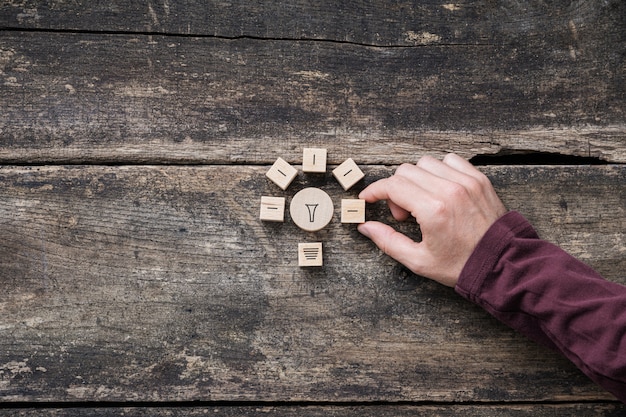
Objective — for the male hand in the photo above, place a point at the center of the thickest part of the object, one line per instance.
(453, 203)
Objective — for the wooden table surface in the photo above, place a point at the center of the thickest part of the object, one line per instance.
(135, 276)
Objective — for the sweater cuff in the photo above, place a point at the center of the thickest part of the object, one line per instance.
(483, 260)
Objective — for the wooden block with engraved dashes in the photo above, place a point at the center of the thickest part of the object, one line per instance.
(310, 254)
(272, 209)
(281, 173)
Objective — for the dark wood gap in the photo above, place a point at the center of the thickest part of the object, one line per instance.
(291, 404)
(231, 38)
(534, 158)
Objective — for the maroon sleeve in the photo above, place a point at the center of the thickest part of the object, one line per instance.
(538, 289)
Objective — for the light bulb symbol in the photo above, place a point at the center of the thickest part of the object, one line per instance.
(311, 208)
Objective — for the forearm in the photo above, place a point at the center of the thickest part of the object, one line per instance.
(546, 294)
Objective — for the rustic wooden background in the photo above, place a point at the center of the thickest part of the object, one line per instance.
(135, 277)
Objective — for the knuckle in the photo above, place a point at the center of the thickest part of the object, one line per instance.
(404, 169)
(398, 181)
(439, 209)
(457, 191)
(428, 162)
(424, 161)
(449, 157)
(478, 185)
(474, 186)
(483, 180)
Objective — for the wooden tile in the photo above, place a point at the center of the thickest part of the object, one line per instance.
(310, 254)
(352, 211)
(281, 173)
(272, 209)
(314, 160)
(348, 173)
(311, 209)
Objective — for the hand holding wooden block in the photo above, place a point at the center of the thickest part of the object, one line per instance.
(272, 209)
(348, 174)
(281, 173)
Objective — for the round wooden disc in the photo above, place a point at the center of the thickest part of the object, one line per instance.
(311, 209)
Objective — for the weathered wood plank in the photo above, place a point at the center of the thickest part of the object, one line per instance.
(530, 410)
(160, 284)
(149, 99)
(398, 22)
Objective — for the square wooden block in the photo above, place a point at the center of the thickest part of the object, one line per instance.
(314, 160)
(352, 211)
(281, 173)
(272, 209)
(310, 254)
(348, 174)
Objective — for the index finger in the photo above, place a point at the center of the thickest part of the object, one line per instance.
(401, 191)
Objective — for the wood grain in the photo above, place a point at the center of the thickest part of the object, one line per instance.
(115, 98)
(520, 410)
(383, 23)
(159, 283)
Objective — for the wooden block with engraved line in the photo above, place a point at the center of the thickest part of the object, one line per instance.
(314, 160)
(352, 211)
(348, 173)
(281, 173)
(272, 209)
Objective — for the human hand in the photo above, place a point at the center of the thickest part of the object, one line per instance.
(453, 203)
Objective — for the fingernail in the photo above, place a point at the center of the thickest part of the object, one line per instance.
(364, 230)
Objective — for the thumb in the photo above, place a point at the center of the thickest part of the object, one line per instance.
(393, 243)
